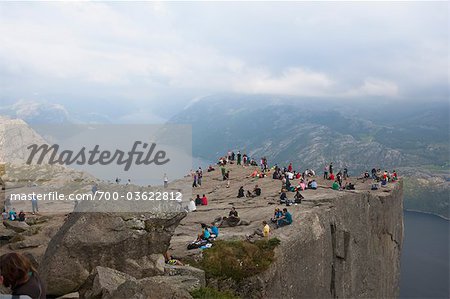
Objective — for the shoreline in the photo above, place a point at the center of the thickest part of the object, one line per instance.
(429, 213)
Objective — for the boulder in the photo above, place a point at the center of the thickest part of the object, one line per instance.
(174, 270)
(74, 295)
(17, 226)
(157, 287)
(113, 240)
(106, 283)
(6, 234)
(32, 258)
(37, 220)
(102, 282)
(27, 243)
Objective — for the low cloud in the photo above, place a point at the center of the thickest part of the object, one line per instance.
(375, 87)
(292, 81)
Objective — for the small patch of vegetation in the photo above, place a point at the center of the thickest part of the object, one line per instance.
(238, 259)
(209, 293)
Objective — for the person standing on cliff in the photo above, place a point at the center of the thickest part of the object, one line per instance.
(239, 158)
(325, 172)
(199, 176)
(266, 229)
(331, 167)
(166, 181)
(194, 183)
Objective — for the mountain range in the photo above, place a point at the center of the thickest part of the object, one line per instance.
(409, 137)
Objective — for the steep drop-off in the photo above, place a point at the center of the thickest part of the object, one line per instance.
(342, 244)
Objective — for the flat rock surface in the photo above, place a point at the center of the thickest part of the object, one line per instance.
(256, 209)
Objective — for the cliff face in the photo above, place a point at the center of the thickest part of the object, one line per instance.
(347, 247)
(341, 244)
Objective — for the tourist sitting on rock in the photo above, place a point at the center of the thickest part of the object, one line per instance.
(257, 191)
(214, 230)
(12, 214)
(394, 176)
(241, 192)
(204, 200)
(192, 206)
(298, 197)
(366, 175)
(276, 175)
(198, 200)
(205, 235)
(21, 216)
(4, 215)
(210, 168)
(301, 185)
(233, 213)
(264, 232)
(285, 219)
(283, 198)
(232, 219)
(313, 185)
(335, 185)
(383, 182)
(170, 260)
(276, 214)
(17, 273)
(254, 174)
(374, 186)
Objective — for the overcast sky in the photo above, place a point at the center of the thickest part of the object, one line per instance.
(145, 55)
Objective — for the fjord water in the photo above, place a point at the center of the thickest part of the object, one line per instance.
(425, 257)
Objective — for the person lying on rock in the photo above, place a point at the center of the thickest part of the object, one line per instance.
(349, 186)
(285, 219)
(17, 273)
(170, 260)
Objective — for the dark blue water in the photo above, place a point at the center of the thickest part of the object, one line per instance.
(425, 257)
